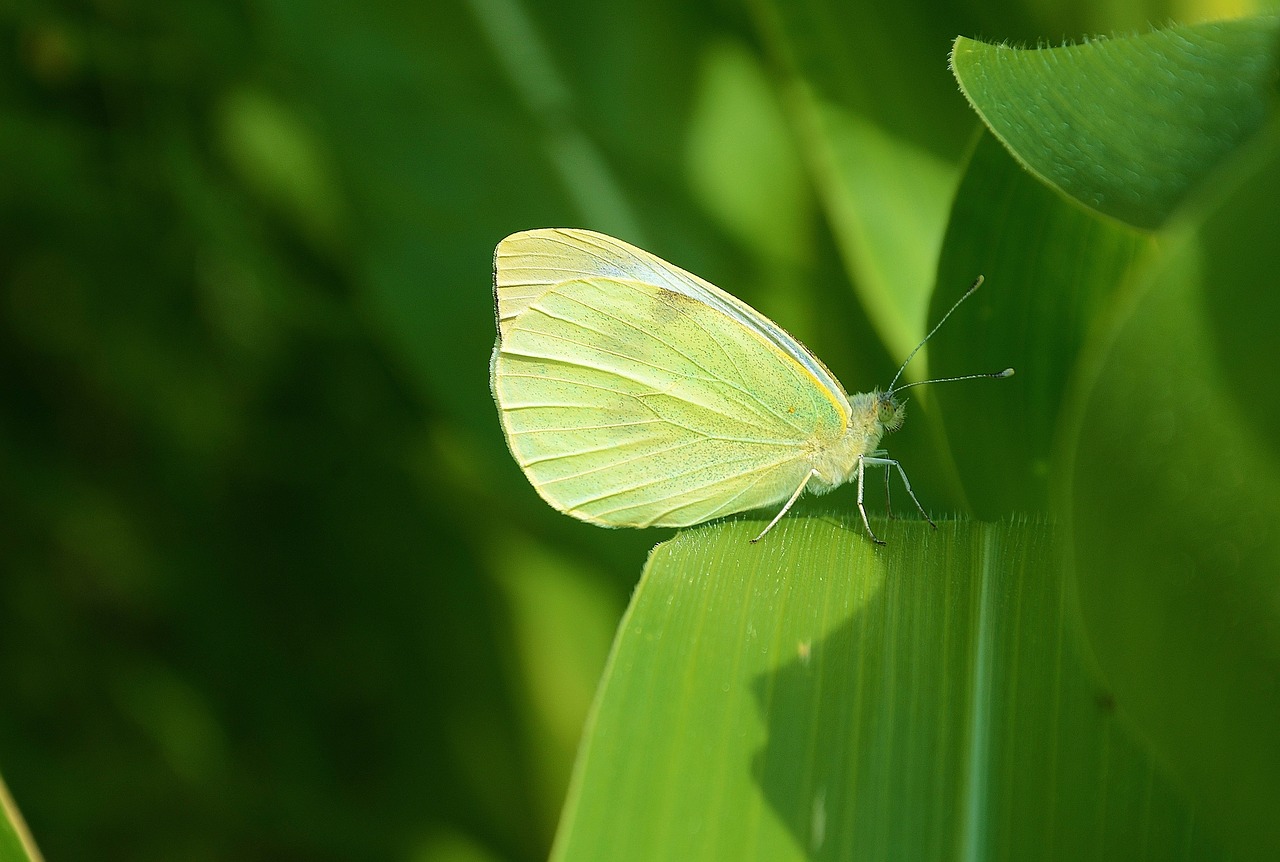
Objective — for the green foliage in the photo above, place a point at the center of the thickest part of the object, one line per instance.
(271, 587)
(1050, 269)
(1170, 489)
(1128, 126)
(820, 698)
(1129, 723)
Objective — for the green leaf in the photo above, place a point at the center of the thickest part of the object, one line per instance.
(1049, 267)
(16, 844)
(884, 175)
(1173, 509)
(1128, 126)
(815, 697)
(742, 161)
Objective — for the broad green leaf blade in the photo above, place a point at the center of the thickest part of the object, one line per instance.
(876, 122)
(814, 697)
(742, 162)
(1128, 126)
(16, 844)
(1172, 501)
(1049, 267)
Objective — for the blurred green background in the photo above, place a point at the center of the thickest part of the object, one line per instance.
(270, 585)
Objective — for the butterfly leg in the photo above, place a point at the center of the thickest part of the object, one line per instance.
(862, 462)
(888, 498)
(889, 462)
(786, 508)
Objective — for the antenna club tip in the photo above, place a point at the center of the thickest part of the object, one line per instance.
(977, 282)
(1008, 372)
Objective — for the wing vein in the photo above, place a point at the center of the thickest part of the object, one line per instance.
(616, 492)
(728, 355)
(560, 360)
(680, 396)
(519, 432)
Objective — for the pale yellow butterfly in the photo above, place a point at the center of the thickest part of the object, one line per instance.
(635, 394)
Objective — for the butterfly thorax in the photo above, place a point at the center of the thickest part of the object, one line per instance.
(871, 416)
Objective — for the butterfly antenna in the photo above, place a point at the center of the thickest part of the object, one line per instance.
(977, 283)
(1008, 372)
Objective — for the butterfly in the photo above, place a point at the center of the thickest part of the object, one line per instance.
(635, 394)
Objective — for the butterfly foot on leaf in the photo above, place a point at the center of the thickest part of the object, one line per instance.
(872, 536)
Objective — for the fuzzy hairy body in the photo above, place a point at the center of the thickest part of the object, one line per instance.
(871, 416)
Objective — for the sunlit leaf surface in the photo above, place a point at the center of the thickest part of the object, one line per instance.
(1128, 125)
(814, 697)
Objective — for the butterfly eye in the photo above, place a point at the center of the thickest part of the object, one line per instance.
(891, 413)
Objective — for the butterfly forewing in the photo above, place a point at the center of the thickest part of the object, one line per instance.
(629, 404)
(528, 263)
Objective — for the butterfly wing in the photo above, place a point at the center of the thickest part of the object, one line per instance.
(628, 404)
(528, 263)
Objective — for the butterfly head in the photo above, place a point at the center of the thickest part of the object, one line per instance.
(890, 412)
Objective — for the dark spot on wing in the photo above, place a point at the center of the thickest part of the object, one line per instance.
(668, 306)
